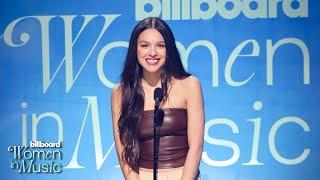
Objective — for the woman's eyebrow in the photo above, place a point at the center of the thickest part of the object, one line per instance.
(144, 41)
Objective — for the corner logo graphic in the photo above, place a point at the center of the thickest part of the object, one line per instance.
(39, 157)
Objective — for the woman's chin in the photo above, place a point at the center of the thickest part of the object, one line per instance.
(153, 69)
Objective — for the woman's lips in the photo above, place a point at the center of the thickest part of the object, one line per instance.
(152, 61)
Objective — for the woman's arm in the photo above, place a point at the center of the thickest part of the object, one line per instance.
(195, 131)
(128, 173)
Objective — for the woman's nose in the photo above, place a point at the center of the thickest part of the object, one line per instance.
(153, 51)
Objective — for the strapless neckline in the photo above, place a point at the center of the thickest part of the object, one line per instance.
(166, 109)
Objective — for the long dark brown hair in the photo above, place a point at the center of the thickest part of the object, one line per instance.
(132, 94)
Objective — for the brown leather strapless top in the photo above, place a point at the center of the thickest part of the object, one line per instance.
(173, 145)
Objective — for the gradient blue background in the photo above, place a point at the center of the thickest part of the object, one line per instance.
(21, 81)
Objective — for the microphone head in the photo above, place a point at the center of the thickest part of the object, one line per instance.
(158, 95)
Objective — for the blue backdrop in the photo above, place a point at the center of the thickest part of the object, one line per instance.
(257, 60)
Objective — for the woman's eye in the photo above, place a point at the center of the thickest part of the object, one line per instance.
(144, 45)
(162, 45)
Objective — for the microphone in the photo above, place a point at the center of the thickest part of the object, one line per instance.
(158, 96)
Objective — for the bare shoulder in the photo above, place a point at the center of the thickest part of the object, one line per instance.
(116, 95)
(188, 89)
(116, 91)
(191, 83)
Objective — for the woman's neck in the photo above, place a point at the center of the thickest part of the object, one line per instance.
(151, 79)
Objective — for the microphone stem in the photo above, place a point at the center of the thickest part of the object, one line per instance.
(155, 142)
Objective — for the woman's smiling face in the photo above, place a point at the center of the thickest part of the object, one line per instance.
(151, 50)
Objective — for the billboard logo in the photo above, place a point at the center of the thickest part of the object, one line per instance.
(227, 9)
